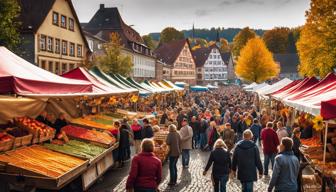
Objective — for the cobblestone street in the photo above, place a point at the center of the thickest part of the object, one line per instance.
(188, 179)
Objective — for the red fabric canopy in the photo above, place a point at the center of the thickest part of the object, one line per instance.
(286, 87)
(23, 78)
(328, 109)
(99, 85)
(306, 83)
(326, 84)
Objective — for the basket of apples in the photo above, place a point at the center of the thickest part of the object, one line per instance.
(6, 141)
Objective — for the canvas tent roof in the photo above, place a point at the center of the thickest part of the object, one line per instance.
(198, 88)
(21, 77)
(99, 85)
(275, 87)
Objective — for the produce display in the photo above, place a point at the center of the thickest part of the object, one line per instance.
(96, 121)
(161, 151)
(89, 135)
(17, 132)
(312, 183)
(41, 160)
(77, 148)
(35, 127)
(312, 142)
(5, 138)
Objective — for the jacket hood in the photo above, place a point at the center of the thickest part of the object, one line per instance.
(245, 144)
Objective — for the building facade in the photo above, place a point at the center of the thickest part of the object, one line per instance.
(178, 56)
(51, 35)
(210, 65)
(228, 60)
(108, 20)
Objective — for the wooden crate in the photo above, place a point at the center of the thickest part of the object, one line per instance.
(104, 164)
(89, 177)
(8, 145)
(22, 141)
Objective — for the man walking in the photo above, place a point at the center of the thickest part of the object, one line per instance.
(246, 159)
(270, 142)
(256, 129)
(286, 169)
(195, 125)
(186, 133)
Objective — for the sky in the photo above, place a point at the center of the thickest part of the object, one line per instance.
(148, 16)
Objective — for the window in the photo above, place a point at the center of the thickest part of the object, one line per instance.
(43, 42)
(51, 66)
(57, 68)
(43, 64)
(64, 48)
(71, 24)
(57, 45)
(55, 20)
(71, 66)
(72, 49)
(63, 21)
(64, 68)
(79, 51)
(50, 44)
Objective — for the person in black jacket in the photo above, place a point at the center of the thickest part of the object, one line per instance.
(246, 159)
(147, 131)
(60, 122)
(123, 144)
(195, 125)
(220, 159)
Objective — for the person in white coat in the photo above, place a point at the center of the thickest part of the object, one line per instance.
(186, 133)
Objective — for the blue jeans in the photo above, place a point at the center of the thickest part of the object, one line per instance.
(267, 159)
(173, 169)
(202, 140)
(247, 186)
(185, 157)
(220, 183)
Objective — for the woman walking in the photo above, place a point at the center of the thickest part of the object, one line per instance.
(137, 131)
(173, 141)
(220, 158)
(146, 170)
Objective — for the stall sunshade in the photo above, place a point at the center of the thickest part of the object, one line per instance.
(173, 85)
(136, 84)
(328, 109)
(306, 83)
(21, 77)
(197, 88)
(100, 86)
(294, 83)
(275, 87)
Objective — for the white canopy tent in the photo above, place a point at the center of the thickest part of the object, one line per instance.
(264, 91)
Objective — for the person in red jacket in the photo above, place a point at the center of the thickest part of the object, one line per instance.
(270, 142)
(146, 170)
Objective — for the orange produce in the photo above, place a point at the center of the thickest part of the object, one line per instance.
(41, 160)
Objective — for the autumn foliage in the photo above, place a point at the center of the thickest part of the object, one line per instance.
(317, 43)
(255, 63)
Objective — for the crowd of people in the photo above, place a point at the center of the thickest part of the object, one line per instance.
(228, 124)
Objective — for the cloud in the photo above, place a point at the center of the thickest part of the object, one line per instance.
(202, 12)
(231, 2)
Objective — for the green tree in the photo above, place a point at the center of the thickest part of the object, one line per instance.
(256, 63)
(148, 41)
(293, 37)
(240, 40)
(9, 35)
(276, 39)
(317, 42)
(170, 34)
(224, 45)
(114, 61)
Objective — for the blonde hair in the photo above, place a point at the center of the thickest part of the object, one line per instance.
(247, 134)
(147, 145)
(220, 144)
(172, 128)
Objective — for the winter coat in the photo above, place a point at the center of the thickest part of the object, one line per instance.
(174, 142)
(147, 132)
(285, 172)
(246, 159)
(186, 134)
(146, 172)
(220, 161)
(228, 136)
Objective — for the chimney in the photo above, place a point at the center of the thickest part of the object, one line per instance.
(102, 6)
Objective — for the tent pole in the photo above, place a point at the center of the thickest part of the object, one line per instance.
(325, 142)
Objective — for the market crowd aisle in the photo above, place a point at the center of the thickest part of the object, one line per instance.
(188, 179)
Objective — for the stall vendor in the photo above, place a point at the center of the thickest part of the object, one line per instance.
(60, 122)
(42, 117)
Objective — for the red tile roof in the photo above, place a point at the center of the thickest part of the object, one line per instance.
(168, 52)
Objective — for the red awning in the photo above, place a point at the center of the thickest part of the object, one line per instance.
(286, 87)
(23, 78)
(328, 109)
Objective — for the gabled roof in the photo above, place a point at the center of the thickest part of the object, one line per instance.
(226, 57)
(34, 12)
(201, 55)
(288, 62)
(168, 52)
(109, 19)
